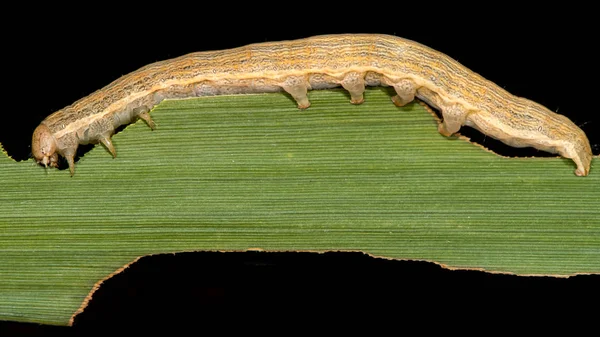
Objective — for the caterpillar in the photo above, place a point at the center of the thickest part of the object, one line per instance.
(351, 61)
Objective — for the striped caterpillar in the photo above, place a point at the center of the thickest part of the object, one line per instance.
(352, 61)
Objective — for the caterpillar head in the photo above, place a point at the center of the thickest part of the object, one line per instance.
(43, 147)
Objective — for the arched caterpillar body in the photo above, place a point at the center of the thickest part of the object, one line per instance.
(352, 61)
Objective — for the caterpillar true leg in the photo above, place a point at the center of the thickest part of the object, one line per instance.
(107, 142)
(70, 157)
(146, 117)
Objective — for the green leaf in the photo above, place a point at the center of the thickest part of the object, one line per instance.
(253, 171)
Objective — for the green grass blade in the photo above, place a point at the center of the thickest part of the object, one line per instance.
(232, 173)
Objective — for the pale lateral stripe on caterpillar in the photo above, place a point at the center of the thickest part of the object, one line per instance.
(352, 61)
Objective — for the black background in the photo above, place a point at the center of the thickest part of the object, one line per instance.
(54, 56)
